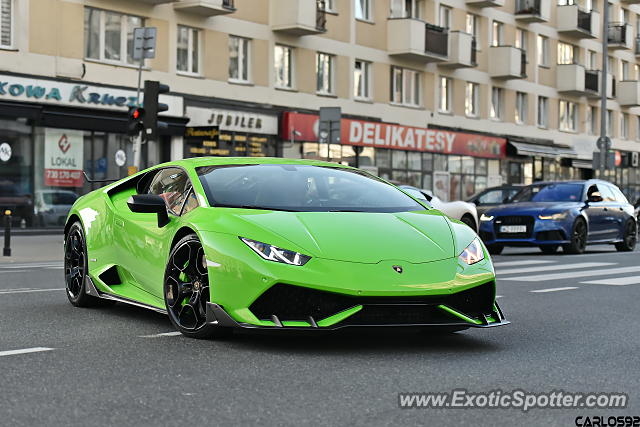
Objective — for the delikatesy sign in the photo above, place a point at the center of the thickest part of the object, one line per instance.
(63, 153)
(304, 127)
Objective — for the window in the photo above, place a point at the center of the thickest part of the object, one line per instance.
(497, 33)
(592, 60)
(472, 25)
(188, 58)
(6, 23)
(472, 100)
(565, 53)
(445, 16)
(521, 39)
(329, 5)
(172, 184)
(324, 73)
(624, 125)
(363, 9)
(496, 103)
(362, 80)
(624, 70)
(108, 36)
(610, 123)
(283, 63)
(238, 59)
(405, 86)
(638, 127)
(568, 116)
(592, 120)
(445, 94)
(407, 8)
(543, 111)
(543, 51)
(521, 107)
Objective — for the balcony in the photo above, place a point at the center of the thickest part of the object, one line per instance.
(155, 2)
(205, 7)
(576, 22)
(298, 17)
(628, 93)
(414, 39)
(631, 1)
(575, 80)
(462, 50)
(533, 10)
(507, 62)
(485, 3)
(620, 36)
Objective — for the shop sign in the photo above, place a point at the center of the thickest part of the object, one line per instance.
(304, 127)
(63, 151)
(233, 121)
(5, 152)
(120, 158)
(76, 95)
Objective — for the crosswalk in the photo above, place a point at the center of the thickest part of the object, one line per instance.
(558, 271)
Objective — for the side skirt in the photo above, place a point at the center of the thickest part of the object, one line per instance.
(90, 289)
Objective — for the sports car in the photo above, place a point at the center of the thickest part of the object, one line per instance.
(225, 243)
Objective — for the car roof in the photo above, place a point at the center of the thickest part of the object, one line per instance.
(581, 181)
(196, 162)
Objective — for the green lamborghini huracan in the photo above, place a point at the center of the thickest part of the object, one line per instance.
(226, 243)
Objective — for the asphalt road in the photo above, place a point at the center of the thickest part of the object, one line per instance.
(110, 366)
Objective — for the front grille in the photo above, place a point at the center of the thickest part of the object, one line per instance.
(514, 220)
(289, 302)
(550, 235)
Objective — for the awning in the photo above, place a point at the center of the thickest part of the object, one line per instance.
(525, 149)
(582, 164)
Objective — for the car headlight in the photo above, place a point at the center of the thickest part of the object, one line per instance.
(484, 217)
(555, 217)
(274, 253)
(473, 253)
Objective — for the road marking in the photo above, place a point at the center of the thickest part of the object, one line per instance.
(554, 267)
(616, 281)
(26, 291)
(498, 296)
(13, 271)
(25, 351)
(574, 274)
(522, 262)
(21, 266)
(164, 334)
(566, 288)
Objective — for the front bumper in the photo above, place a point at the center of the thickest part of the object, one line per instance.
(539, 233)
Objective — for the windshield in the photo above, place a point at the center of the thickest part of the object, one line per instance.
(555, 192)
(302, 188)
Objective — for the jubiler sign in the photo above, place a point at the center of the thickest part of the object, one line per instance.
(304, 127)
(63, 152)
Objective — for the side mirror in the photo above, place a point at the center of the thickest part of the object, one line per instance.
(149, 203)
(594, 197)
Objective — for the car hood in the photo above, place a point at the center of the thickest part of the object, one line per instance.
(532, 208)
(415, 237)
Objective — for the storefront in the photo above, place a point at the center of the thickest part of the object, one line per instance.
(531, 161)
(229, 133)
(454, 165)
(51, 131)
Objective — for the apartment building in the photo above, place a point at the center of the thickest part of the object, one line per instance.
(448, 95)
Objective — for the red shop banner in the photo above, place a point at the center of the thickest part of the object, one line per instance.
(304, 127)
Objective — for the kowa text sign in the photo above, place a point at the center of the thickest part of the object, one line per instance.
(76, 95)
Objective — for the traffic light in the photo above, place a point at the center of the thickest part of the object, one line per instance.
(135, 121)
(152, 126)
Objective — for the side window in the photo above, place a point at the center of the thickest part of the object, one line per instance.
(492, 197)
(606, 193)
(618, 194)
(191, 203)
(172, 185)
(510, 193)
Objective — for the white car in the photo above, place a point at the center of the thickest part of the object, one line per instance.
(463, 211)
(52, 206)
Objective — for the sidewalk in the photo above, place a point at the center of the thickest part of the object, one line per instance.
(34, 249)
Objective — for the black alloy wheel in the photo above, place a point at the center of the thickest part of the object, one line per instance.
(629, 238)
(578, 238)
(75, 268)
(187, 291)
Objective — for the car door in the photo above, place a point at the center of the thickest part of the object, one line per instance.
(620, 209)
(597, 215)
(612, 215)
(148, 246)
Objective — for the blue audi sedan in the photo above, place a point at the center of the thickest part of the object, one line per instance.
(568, 214)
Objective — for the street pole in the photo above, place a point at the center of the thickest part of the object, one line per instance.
(603, 141)
(137, 145)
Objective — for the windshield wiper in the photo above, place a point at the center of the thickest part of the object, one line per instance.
(264, 208)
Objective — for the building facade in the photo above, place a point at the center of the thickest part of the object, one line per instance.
(448, 95)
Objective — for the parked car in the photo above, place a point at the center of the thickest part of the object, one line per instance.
(20, 205)
(463, 211)
(570, 214)
(52, 206)
(494, 196)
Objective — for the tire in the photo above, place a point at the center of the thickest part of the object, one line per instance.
(186, 290)
(468, 220)
(75, 269)
(578, 238)
(495, 249)
(549, 249)
(629, 238)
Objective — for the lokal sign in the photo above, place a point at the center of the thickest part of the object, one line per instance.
(304, 127)
(63, 152)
